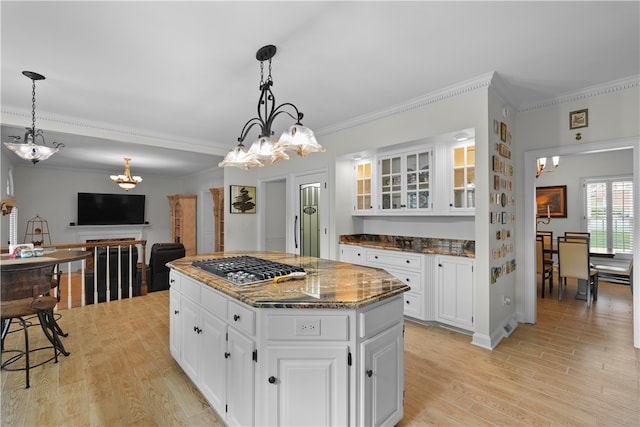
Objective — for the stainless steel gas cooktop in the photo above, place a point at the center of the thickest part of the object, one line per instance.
(244, 270)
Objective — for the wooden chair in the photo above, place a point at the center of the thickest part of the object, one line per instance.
(574, 262)
(577, 235)
(544, 269)
(548, 245)
(24, 295)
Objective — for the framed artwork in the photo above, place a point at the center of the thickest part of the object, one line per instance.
(551, 201)
(503, 132)
(579, 119)
(243, 199)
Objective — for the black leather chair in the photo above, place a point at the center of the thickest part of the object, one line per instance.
(158, 272)
(127, 262)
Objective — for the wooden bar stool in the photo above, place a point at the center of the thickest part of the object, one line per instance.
(24, 293)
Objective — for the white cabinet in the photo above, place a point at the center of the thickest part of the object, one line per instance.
(454, 291)
(405, 182)
(291, 399)
(407, 267)
(352, 254)
(214, 353)
(381, 378)
(364, 189)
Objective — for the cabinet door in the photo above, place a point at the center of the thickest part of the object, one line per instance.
(307, 385)
(463, 177)
(189, 347)
(213, 368)
(455, 291)
(391, 183)
(382, 378)
(174, 324)
(418, 180)
(241, 379)
(364, 189)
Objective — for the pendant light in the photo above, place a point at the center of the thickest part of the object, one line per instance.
(29, 149)
(126, 181)
(297, 138)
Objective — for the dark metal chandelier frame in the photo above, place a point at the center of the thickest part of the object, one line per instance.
(267, 110)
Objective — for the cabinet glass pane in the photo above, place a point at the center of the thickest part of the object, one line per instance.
(411, 163)
(423, 200)
(458, 178)
(458, 197)
(458, 157)
(386, 166)
(471, 175)
(395, 165)
(424, 161)
(471, 155)
(471, 198)
(367, 186)
(396, 201)
(412, 200)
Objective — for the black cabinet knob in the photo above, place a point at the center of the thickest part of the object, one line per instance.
(369, 373)
(272, 380)
(226, 355)
(176, 312)
(172, 281)
(236, 317)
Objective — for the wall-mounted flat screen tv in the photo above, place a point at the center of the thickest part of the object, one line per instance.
(110, 209)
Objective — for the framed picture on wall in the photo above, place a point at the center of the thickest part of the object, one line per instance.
(243, 199)
(579, 119)
(551, 201)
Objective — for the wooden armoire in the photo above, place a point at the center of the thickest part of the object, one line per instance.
(183, 221)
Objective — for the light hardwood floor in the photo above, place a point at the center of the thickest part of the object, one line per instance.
(576, 366)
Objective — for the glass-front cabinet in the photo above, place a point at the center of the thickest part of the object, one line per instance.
(405, 182)
(464, 176)
(364, 186)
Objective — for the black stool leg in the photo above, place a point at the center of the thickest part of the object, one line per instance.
(46, 322)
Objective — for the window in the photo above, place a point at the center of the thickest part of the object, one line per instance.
(609, 212)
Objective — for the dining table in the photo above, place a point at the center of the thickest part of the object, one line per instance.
(30, 277)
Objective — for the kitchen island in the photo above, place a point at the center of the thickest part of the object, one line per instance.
(327, 349)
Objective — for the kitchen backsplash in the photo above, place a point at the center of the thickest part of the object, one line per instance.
(423, 245)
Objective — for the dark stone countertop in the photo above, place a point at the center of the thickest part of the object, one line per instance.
(420, 245)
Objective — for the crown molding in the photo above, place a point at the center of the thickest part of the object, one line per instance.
(430, 98)
(597, 90)
(62, 124)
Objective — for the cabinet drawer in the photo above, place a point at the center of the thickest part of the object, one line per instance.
(315, 328)
(213, 302)
(411, 278)
(381, 259)
(381, 317)
(241, 318)
(413, 305)
(190, 288)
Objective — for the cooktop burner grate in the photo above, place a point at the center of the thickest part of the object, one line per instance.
(244, 270)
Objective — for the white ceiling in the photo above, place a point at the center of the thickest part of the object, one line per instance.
(171, 84)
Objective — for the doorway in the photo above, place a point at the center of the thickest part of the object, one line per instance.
(530, 289)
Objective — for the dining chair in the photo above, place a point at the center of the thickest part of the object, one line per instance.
(574, 262)
(578, 235)
(544, 269)
(547, 246)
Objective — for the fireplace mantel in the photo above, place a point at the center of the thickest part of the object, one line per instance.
(93, 232)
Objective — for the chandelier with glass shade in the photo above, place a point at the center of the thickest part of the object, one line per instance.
(126, 181)
(297, 138)
(29, 148)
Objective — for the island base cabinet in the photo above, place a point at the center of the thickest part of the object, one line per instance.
(307, 385)
(382, 378)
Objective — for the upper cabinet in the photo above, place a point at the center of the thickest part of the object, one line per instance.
(364, 186)
(463, 176)
(423, 178)
(405, 182)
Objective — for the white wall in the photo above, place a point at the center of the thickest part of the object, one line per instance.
(52, 193)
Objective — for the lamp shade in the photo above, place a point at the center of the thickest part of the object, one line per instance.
(239, 157)
(267, 149)
(300, 139)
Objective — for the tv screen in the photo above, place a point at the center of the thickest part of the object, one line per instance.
(110, 209)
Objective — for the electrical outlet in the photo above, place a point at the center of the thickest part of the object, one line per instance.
(308, 327)
(506, 300)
